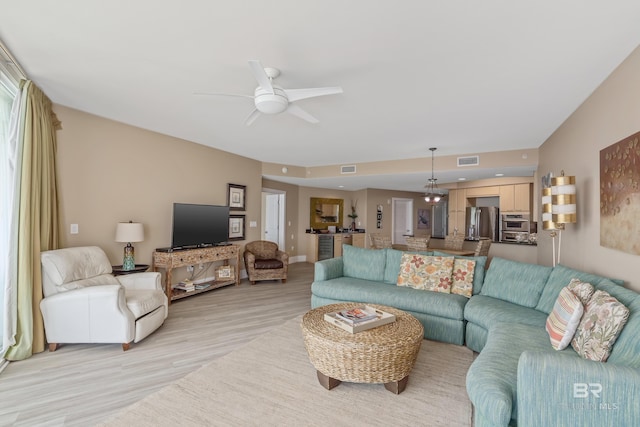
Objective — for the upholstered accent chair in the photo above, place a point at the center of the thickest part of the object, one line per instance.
(454, 242)
(264, 261)
(482, 248)
(420, 244)
(84, 303)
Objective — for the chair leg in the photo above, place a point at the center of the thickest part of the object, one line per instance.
(125, 346)
(284, 280)
(253, 282)
(53, 346)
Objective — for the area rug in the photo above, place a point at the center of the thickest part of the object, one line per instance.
(270, 382)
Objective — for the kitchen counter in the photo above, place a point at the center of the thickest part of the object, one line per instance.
(516, 251)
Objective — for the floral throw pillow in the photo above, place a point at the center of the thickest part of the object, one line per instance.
(601, 323)
(582, 290)
(564, 319)
(462, 277)
(430, 273)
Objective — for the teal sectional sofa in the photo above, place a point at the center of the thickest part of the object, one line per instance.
(367, 275)
(518, 378)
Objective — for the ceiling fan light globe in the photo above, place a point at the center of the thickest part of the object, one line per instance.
(271, 103)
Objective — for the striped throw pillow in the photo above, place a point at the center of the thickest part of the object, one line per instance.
(564, 319)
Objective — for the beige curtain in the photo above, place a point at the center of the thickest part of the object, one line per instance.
(38, 225)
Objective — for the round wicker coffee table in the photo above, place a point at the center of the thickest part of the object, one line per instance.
(384, 354)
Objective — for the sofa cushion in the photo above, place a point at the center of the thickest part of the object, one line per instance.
(359, 263)
(558, 279)
(430, 273)
(392, 264)
(492, 377)
(65, 269)
(517, 282)
(357, 290)
(103, 279)
(602, 322)
(626, 351)
(267, 264)
(487, 311)
(583, 290)
(478, 272)
(462, 277)
(564, 318)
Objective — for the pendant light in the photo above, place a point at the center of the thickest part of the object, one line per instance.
(433, 194)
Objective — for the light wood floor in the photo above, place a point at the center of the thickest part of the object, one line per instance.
(83, 384)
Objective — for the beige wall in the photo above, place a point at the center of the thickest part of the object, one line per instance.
(111, 172)
(610, 114)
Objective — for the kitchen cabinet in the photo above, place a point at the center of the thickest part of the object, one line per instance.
(515, 198)
(457, 209)
(329, 245)
(490, 191)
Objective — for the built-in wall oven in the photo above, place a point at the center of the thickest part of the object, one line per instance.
(515, 236)
(515, 227)
(516, 222)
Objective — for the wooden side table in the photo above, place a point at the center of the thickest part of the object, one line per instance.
(139, 268)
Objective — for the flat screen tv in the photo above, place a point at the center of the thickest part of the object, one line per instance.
(199, 225)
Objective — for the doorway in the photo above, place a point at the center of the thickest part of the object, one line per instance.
(273, 216)
(402, 220)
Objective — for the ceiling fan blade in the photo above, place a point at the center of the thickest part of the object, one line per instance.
(294, 110)
(260, 75)
(297, 94)
(252, 117)
(224, 94)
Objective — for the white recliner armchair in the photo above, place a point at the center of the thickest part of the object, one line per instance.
(84, 303)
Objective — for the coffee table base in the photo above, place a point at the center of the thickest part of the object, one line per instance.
(395, 387)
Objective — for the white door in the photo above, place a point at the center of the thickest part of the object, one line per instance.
(274, 218)
(402, 218)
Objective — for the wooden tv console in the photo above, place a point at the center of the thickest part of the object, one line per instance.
(170, 260)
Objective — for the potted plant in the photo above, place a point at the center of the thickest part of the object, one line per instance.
(353, 215)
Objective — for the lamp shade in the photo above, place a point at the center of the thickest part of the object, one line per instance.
(129, 232)
(547, 217)
(563, 199)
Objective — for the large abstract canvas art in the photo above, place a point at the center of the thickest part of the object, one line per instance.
(620, 195)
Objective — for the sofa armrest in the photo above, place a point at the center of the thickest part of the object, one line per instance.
(147, 280)
(558, 389)
(249, 258)
(282, 256)
(328, 269)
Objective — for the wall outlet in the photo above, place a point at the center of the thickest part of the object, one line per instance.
(74, 229)
(253, 224)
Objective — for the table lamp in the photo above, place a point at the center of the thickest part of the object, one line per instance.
(129, 232)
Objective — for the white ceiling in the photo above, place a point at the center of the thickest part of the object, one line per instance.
(464, 76)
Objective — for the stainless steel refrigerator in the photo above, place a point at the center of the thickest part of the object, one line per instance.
(483, 222)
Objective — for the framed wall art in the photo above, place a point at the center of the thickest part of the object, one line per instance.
(236, 197)
(423, 219)
(236, 227)
(620, 195)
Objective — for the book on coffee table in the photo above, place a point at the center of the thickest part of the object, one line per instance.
(357, 315)
(378, 318)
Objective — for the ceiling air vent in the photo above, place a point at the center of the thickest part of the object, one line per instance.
(348, 169)
(469, 161)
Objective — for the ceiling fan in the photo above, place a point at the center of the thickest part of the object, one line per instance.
(269, 98)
